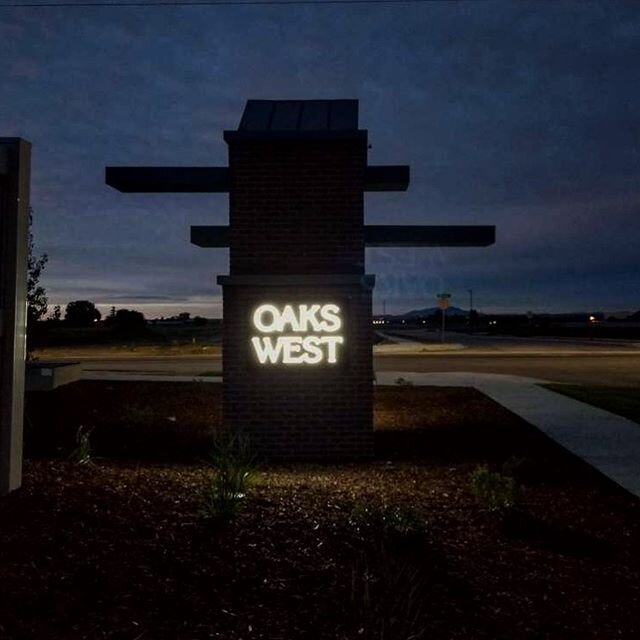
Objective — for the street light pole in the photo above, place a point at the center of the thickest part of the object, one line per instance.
(443, 303)
(470, 311)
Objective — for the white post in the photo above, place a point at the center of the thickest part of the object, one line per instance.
(15, 160)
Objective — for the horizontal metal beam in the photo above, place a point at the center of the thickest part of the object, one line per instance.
(216, 179)
(387, 178)
(381, 236)
(298, 280)
(429, 235)
(168, 179)
(210, 237)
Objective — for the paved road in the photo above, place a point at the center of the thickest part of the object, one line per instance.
(615, 370)
(161, 365)
(578, 368)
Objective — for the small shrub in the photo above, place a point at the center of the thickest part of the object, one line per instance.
(403, 382)
(388, 523)
(389, 584)
(138, 414)
(234, 467)
(513, 466)
(81, 454)
(498, 492)
(526, 470)
(388, 599)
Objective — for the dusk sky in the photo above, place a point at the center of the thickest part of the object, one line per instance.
(523, 115)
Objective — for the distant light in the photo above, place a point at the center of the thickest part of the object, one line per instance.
(592, 318)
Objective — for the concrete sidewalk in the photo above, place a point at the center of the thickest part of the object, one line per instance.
(608, 442)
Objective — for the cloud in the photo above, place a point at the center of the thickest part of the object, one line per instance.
(520, 115)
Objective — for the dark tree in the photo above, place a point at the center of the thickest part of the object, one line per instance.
(81, 313)
(57, 313)
(127, 322)
(36, 294)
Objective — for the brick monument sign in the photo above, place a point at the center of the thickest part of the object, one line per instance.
(297, 341)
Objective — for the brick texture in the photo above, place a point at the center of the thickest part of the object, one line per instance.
(296, 208)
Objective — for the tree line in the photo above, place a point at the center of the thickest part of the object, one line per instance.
(79, 313)
(84, 313)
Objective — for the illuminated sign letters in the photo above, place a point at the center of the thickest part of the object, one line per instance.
(297, 334)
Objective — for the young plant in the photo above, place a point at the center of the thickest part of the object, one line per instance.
(389, 585)
(234, 468)
(513, 466)
(498, 492)
(388, 597)
(81, 454)
(388, 524)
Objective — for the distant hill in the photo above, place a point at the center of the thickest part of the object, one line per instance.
(430, 311)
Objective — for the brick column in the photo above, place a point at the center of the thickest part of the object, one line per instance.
(297, 238)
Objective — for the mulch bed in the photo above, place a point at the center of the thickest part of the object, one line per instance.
(120, 550)
(169, 422)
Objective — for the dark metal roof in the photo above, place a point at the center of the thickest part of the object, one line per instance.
(300, 115)
(296, 119)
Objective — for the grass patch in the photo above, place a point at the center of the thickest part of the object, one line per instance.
(622, 401)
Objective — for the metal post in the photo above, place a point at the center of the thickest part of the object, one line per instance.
(443, 304)
(470, 311)
(15, 157)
